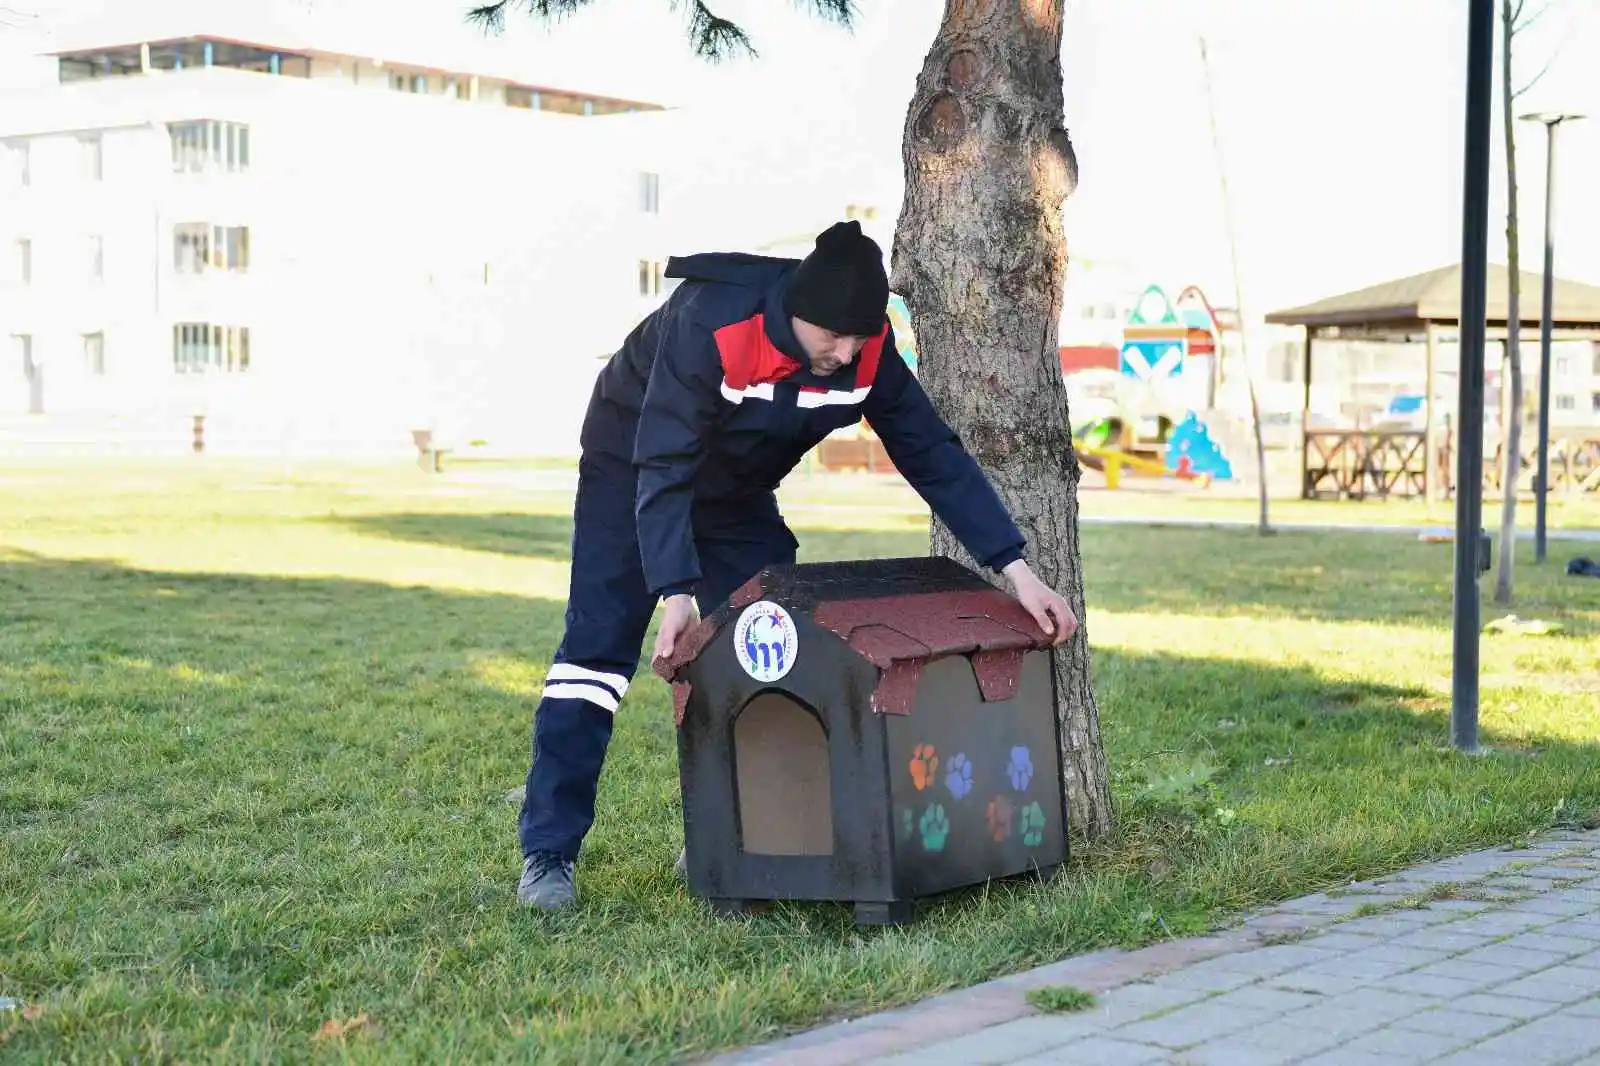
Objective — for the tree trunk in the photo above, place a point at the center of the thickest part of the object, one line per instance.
(1511, 427)
(980, 259)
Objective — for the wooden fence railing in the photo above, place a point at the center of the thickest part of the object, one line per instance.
(1357, 464)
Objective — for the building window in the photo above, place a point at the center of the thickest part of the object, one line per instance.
(650, 193)
(91, 157)
(199, 246)
(203, 347)
(24, 261)
(32, 372)
(1596, 401)
(1566, 402)
(94, 353)
(232, 247)
(18, 160)
(181, 54)
(561, 103)
(649, 278)
(401, 82)
(209, 145)
(191, 247)
(1562, 367)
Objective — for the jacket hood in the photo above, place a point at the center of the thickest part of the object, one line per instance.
(731, 268)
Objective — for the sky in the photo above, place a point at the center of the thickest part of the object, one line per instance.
(1341, 121)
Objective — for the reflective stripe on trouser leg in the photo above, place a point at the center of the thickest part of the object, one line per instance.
(566, 681)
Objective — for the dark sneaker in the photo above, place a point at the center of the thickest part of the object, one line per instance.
(546, 882)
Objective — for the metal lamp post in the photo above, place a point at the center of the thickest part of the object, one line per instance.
(1469, 557)
(1550, 120)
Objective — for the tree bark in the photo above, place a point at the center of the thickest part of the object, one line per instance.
(980, 258)
(1511, 428)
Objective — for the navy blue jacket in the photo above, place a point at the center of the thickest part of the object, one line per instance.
(712, 399)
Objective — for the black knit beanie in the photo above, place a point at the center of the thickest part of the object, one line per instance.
(841, 285)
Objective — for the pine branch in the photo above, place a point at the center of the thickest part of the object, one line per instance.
(492, 17)
(839, 12)
(711, 36)
(714, 38)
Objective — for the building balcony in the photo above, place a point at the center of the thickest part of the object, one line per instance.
(182, 54)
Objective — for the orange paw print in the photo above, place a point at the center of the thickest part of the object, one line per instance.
(924, 765)
(1000, 811)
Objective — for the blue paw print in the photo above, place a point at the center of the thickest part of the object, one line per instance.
(959, 778)
(1020, 769)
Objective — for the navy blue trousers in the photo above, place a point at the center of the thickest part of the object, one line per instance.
(609, 608)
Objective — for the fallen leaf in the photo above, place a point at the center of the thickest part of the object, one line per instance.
(334, 1029)
(32, 1012)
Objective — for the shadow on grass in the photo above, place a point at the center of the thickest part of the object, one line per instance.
(544, 536)
(539, 536)
(238, 806)
(1341, 577)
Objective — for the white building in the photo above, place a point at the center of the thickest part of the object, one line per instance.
(318, 250)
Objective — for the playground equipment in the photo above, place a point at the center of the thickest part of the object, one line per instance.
(1141, 419)
(1184, 451)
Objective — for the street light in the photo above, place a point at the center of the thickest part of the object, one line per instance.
(1550, 120)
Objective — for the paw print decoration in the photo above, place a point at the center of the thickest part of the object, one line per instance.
(959, 777)
(1000, 812)
(935, 828)
(1020, 769)
(924, 765)
(1032, 825)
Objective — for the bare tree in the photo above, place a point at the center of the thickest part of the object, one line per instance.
(1264, 525)
(980, 258)
(1514, 19)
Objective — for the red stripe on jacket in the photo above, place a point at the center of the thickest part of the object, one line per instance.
(750, 358)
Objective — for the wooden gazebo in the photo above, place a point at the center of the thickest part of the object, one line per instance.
(1425, 308)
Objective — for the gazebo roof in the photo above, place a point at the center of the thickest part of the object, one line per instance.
(1435, 297)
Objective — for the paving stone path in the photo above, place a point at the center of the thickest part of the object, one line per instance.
(1486, 959)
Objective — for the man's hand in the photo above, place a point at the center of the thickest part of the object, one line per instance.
(1044, 603)
(675, 622)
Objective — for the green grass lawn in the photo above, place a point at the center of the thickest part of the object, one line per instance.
(257, 735)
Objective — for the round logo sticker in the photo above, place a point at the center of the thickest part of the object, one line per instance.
(765, 641)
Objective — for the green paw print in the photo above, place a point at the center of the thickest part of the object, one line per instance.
(935, 828)
(908, 824)
(1032, 824)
